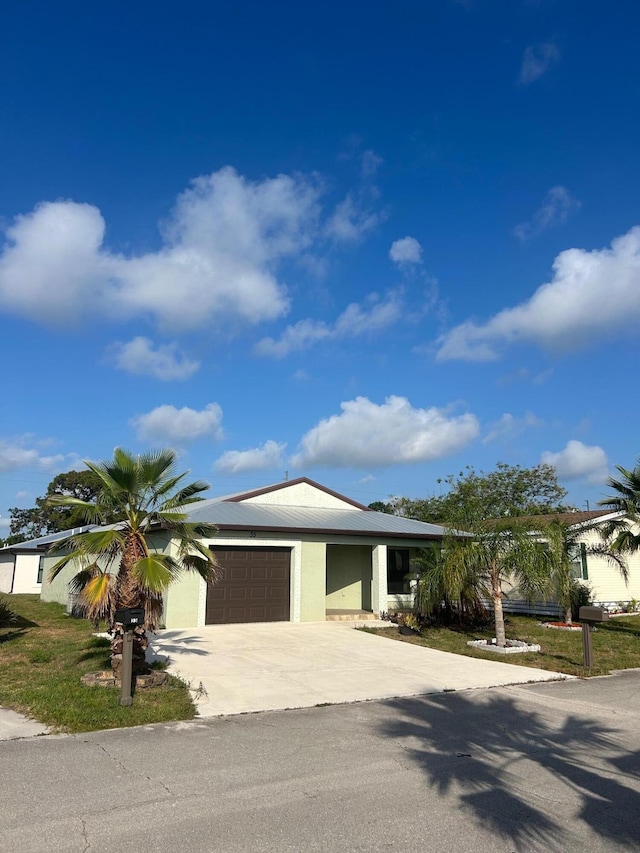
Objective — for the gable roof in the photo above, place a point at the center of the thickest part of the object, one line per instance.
(231, 515)
(263, 491)
(573, 518)
(241, 511)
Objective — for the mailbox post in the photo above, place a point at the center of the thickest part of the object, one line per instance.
(590, 616)
(129, 618)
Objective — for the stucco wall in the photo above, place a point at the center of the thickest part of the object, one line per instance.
(57, 590)
(313, 582)
(348, 577)
(25, 579)
(181, 602)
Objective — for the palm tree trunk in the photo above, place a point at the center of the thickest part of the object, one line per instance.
(128, 594)
(498, 614)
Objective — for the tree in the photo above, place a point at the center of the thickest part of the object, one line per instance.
(509, 491)
(119, 567)
(46, 517)
(565, 544)
(626, 500)
(482, 562)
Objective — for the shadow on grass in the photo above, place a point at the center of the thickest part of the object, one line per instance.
(94, 650)
(614, 628)
(7, 636)
(508, 767)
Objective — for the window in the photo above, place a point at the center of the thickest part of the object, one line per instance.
(579, 569)
(397, 568)
(40, 570)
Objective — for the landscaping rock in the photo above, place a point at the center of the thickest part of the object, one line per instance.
(513, 647)
(106, 678)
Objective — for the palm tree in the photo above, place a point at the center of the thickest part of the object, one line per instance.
(564, 541)
(626, 500)
(496, 552)
(131, 563)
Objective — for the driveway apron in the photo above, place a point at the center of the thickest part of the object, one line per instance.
(236, 669)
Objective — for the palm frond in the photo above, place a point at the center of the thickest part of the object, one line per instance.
(155, 572)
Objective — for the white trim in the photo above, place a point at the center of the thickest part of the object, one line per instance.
(202, 603)
(379, 579)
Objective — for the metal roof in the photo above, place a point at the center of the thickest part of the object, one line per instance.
(42, 541)
(252, 516)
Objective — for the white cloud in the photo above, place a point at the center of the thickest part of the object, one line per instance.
(19, 452)
(537, 60)
(592, 295)
(370, 164)
(269, 455)
(508, 426)
(555, 209)
(5, 522)
(354, 321)
(407, 250)
(221, 245)
(578, 461)
(367, 435)
(169, 424)
(139, 357)
(352, 220)
(22, 494)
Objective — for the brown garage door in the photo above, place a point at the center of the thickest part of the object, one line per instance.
(254, 586)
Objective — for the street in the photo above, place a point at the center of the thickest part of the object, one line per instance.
(553, 767)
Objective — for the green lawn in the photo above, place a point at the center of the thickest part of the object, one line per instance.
(616, 644)
(44, 654)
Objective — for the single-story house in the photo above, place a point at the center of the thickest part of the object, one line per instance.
(22, 566)
(610, 590)
(293, 551)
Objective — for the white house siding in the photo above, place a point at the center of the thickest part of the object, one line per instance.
(605, 579)
(6, 572)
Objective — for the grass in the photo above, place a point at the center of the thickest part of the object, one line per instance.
(616, 644)
(42, 656)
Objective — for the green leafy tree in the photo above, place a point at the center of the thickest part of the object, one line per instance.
(119, 567)
(509, 491)
(47, 517)
(624, 533)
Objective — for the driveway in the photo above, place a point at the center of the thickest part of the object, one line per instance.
(272, 666)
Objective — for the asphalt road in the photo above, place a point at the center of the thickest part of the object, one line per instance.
(544, 767)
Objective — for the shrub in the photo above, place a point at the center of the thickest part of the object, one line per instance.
(581, 596)
(7, 615)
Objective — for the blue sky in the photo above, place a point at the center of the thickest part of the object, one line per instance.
(366, 243)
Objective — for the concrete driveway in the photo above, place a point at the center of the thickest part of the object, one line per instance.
(272, 666)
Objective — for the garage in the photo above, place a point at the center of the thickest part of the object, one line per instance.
(254, 586)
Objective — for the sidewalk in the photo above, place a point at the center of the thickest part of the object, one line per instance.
(14, 726)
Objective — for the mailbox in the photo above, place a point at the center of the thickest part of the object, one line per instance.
(130, 617)
(592, 614)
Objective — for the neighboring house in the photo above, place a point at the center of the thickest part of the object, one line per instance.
(602, 575)
(294, 551)
(22, 566)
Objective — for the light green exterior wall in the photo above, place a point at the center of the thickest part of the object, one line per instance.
(313, 582)
(348, 577)
(181, 602)
(57, 590)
